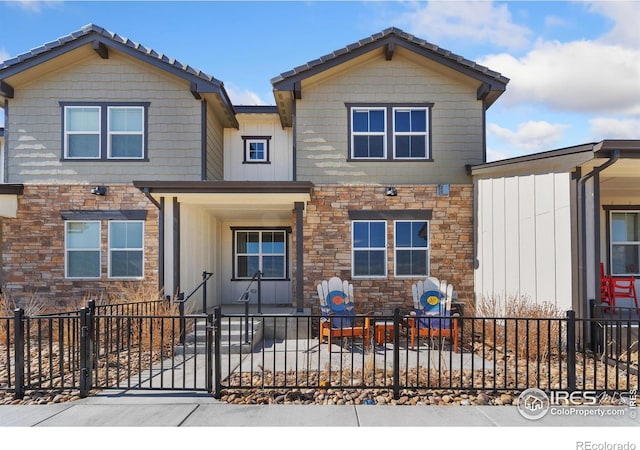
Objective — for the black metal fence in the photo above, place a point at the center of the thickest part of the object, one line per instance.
(149, 346)
(492, 354)
(133, 346)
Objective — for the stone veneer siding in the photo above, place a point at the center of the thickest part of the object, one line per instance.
(327, 242)
(33, 244)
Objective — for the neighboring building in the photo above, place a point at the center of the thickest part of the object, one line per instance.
(125, 165)
(545, 222)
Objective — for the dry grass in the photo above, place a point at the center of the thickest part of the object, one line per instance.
(523, 329)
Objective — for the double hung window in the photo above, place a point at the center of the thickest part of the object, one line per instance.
(389, 132)
(126, 249)
(410, 248)
(625, 242)
(369, 247)
(83, 249)
(104, 131)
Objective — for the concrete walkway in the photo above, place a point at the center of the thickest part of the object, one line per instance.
(118, 408)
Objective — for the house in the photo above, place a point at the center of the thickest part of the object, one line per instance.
(545, 222)
(125, 165)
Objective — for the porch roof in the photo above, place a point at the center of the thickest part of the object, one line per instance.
(225, 187)
(233, 199)
(567, 159)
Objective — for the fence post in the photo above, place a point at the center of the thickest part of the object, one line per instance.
(216, 348)
(85, 351)
(209, 348)
(204, 292)
(396, 353)
(571, 350)
(182, 319)
(18, 342)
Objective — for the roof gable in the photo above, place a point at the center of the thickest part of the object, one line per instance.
(101, 40)
(492, 84)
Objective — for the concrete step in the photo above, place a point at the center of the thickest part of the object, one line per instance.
(232, 337)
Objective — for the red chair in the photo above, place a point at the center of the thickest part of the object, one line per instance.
(606, 294)
(623, 287)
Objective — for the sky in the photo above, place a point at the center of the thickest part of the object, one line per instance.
(574, 66)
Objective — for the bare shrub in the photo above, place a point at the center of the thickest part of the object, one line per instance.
(516, 327)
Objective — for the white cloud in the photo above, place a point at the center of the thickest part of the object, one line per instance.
(609, 128)
(4, 55)
(480, 21)
(243, 96)
(582, 76)
(530, 136)
(32, 5)
(625, 16)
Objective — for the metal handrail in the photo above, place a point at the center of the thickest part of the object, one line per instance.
(181, 300)
(245, 299)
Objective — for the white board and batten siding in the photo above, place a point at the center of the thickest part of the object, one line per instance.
(280, 164)
(524, 239)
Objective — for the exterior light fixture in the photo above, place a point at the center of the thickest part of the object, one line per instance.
(99, 190)
(391, 191)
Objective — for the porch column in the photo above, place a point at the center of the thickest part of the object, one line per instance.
(176, 247)
(299, 207)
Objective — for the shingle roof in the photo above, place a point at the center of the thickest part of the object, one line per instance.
(95, 29)
(410, 39)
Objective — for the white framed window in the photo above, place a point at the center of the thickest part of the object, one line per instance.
(368, 133)
(369, 248)
(410, 133)
(82, 249)
(256, 149)
(411, 248)
(625, 242)
(82, 132)
(390, 131)
(126, 249)
(125, 129)
(264, 250)
(104, 131)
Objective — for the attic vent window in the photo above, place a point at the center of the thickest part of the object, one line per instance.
(256, 149)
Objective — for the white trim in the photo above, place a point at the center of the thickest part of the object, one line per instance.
(68, 133)
(120, 133)
(625, 243)
(426, 249)
(411, 133)
(67, 250)
(383, 133)
(353, 249)
(126, 249)
(265, 144)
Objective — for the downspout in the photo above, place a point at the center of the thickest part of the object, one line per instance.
(583, 235)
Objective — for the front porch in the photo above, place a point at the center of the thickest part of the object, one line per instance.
(233, 230)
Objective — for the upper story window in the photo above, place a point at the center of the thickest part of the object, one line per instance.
(368, 129)
(104, 131)
(256, 149)
(410, 133)
(374, 129)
